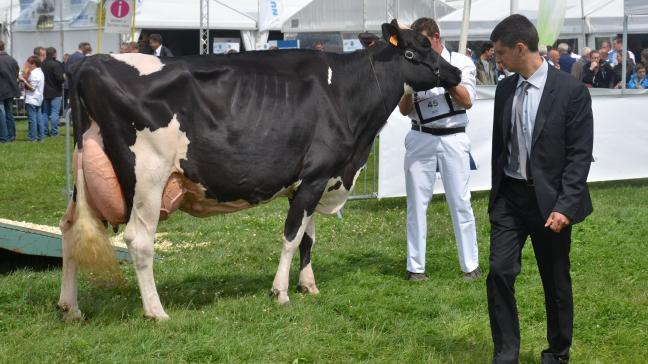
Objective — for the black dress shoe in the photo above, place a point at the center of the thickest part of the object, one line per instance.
(552, 358)
(415, 277)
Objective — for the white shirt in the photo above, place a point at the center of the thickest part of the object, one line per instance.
(468, 74)
(158, 51)
(37, 81)
(529, 109)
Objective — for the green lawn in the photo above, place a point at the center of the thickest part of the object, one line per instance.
(215, 279)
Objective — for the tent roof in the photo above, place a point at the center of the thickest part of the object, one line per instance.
(601, 16)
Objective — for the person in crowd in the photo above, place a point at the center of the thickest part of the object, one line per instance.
(618, 71)
(638, 80)
(577, 68)
(644, 57)
(485, 65)
(34, 87)
(438, 140)
(155, 41)
(143, 44)
(618, 48)
(565, 60)
(40, 53)
(554, 58)
(604, 56)
(597, 72)
(368, 40)
(605, 45)
(318, 46)
(53, 92)
(8, 91)
(541, 155)
(83, 50)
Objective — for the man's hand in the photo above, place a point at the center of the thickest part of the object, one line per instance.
(408, 90)
(594, 66)
(557, 221)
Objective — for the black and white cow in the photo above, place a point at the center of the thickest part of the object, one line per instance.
(216, 134)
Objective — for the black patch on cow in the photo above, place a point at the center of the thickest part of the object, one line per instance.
(305, 251)
(335, 186)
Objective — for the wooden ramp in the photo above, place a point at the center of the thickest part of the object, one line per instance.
(34, 241)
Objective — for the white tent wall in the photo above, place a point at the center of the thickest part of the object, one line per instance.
(24, 42)
(350, 15)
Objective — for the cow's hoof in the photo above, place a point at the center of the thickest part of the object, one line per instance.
(308, 289)
(73, 315)
(281, 297)
(159, 317)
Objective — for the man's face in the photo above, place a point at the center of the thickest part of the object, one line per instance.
(87, 50)
(554, 56)
(154, 44)
(618, 45)
(641, 73)
(508, 57)
(490, 53)
(41, 55)
(595, 57)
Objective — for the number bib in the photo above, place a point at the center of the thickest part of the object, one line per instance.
(432, 107)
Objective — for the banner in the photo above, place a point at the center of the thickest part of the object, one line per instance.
(551, 17)
(119, 16)
(225, 45)
(36, 15)
(270, 14)
(619, 143)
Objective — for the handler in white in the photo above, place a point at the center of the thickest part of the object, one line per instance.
(438, 141)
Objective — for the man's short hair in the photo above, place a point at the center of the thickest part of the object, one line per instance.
(2, 46)
(83, 45)
(37, 50)
(486, 47)
(427, 25)
(34, 60)
(157, 38)
(639, 66)
(563, 48)
(515, 29)
(50, 52)
(644, 53)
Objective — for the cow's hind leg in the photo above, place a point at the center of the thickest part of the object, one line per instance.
(300, 213)
(68, 299)
(139, 235)
(306, 276)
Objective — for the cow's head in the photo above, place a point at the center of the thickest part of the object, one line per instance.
(425, 68)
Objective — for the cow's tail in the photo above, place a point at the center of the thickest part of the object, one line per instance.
(90, 246)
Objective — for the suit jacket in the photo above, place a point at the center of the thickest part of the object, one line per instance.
(165, 52)
(8, 77)
(561, 150)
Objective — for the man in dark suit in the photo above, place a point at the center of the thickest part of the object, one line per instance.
(155, 41)
(542, 150)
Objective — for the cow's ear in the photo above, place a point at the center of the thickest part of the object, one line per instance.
(390, 32)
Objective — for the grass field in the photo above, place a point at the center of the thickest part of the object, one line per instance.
(215, 277)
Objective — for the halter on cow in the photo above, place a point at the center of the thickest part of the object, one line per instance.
(217, 134)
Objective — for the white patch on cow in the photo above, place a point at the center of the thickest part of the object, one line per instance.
(333, 199)
(164, 145)
(408, 90)
(144, 63)
(286, 191)
(280, 283)
(330, 75)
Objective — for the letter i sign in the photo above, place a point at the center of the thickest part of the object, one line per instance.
(119, 8)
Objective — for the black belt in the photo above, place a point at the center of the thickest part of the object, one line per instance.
(439, 131)
(519, 181)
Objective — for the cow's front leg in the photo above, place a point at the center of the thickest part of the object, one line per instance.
(306, 277)
(68, 298)
(299, 216)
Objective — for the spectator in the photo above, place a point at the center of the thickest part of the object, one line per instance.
(618, 70)
(578, 66)
(618, 48)
(605, 46)
(129, 47)
(66, 87)
(486, 68)
(8, 90)
(318, 46)
(52, 95)
(84, 49)
(554, 59)
(34, 87)
(143, 44)
(639, 80)
(597, 72)
(368, 40)
(155, 41)
(40, 53)
(644, 57)
(565, 60)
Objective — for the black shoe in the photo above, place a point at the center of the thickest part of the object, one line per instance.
(415, 277)
(472, 276)
(548, 357)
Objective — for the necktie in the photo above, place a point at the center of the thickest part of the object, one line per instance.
(519, 150)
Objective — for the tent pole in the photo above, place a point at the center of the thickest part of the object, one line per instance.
(514, 6)
(583, 23)
(624, 66)
(11, 27)
(463, 38)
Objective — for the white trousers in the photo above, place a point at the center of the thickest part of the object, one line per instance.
(424, 152)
